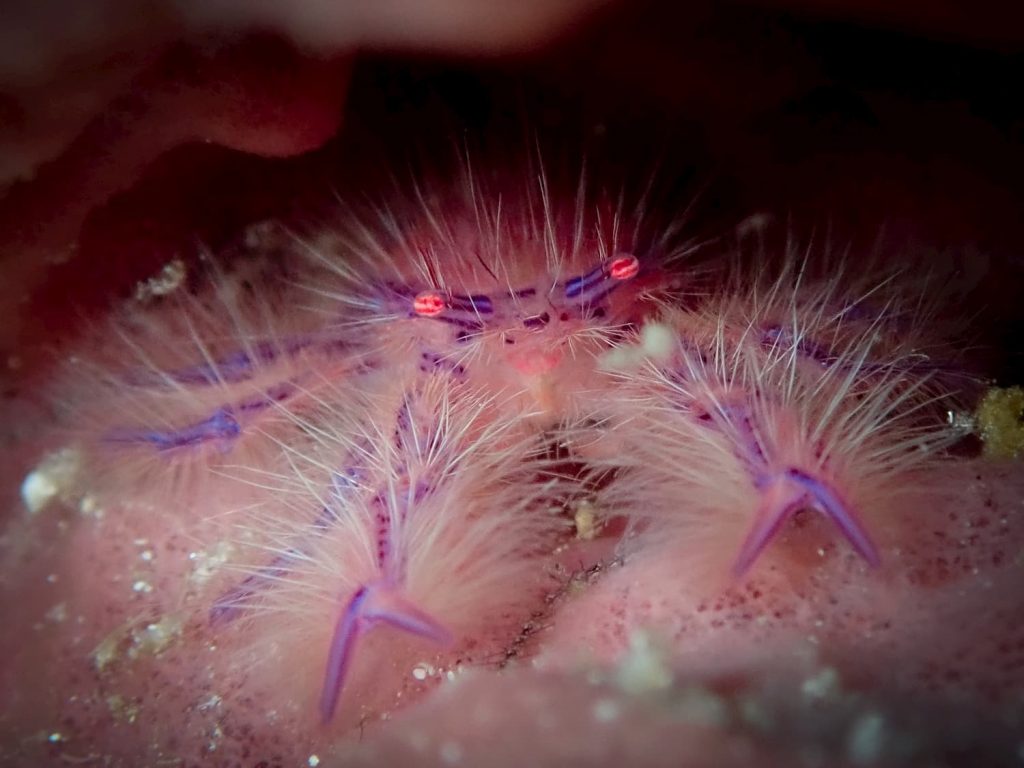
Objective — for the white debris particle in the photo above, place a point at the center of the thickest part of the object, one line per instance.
(606, 710)
(37, 490)
(89, 507)
(656, 343)
(168, 279)
(455, 671)
(151, 639)
(106, 651)
(53, 578)
(156, 636)
(867, 739)
(421, 672)
(643, 669)
(211, 702)
(58, 613)
(822, 685)
(962, 422)
(146, 555)
(216, 734)
(127, 711)
(206, 563)
(55, 737)
(313, 761)
(451, 753)
(51, 479)
(754, 224)
(142, 586)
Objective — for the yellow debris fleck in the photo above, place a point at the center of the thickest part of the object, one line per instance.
(1000, 420)
(585, 517)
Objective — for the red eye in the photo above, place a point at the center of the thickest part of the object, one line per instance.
(623, 267)
(428, 304)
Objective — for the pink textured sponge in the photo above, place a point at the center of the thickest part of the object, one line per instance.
(281, 506)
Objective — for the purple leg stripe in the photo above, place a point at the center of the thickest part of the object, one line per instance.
(371, 605)
(342, 645)
(784, 495)
(778, 503)
(838, 511)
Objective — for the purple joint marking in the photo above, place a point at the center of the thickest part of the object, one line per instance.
(537, 321)
(383, 533)
(276, 394)
(433, 361)
(780, 500)
(756, 455)
(828, 501)
(372, 604)
(391, 559)
(241, 366)
(412, 620)
(403, 423)
(577, 286)
(233, 604)
(468, 325)
(400, 290)
(238, 366)
(476, 304)
(857, 310)
(344, 481)
(777, 336)
(599, 296)
(776, 507)
(422, 490)
(222, 425)
(750, 450)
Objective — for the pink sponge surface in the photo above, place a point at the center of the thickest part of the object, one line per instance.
(509, 490)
